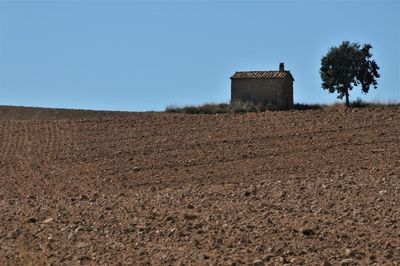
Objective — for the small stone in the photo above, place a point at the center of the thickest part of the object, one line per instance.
(83, 258)
(170, 219)
(189, 216)
(31, 197)
(348, 252)
(14, 234)
(81, 245)
(48, 220)
(308, 231)
(346, 262)
(258, 263)
(382, 192)
(83, 197)
(260, 248)
(171, 232)
(32, 220)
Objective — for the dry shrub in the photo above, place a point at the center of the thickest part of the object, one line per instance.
(247, 107)
(217, 108)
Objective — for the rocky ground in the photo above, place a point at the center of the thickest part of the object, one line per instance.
(316, 187)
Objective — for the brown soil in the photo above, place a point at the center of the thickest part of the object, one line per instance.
(300, 187)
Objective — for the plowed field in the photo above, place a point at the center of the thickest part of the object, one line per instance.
(316, 187)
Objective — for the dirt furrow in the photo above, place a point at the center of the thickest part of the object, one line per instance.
(277, 188)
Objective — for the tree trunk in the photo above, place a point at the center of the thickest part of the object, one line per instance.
(347, 99)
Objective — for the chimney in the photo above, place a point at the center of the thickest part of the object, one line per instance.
(281, 67)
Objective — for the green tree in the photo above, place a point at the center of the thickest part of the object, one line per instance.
(347, 66)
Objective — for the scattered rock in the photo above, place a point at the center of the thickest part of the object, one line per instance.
(260, 248)
(267, 257)
(347, 262)
(83, 197)
(48, 220)
(282, 260)
(347, 252)
(81, 245)
(71, 235)
(171, 232)
(308, 231)
(31, 197)
(14, 234)
(189, 216)
(353, 253)
(258, 263)
(32, 220)
(170, 218)
(83, 258)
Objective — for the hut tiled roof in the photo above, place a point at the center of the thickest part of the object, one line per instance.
(261, 74)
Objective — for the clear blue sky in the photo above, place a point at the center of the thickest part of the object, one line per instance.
(138, 56)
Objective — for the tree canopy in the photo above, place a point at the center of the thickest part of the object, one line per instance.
(347, 66)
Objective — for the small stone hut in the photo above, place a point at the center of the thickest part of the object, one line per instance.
(272, 89)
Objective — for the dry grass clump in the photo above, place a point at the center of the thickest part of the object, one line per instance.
(247, 107)
(358, 103)
(217, 108)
